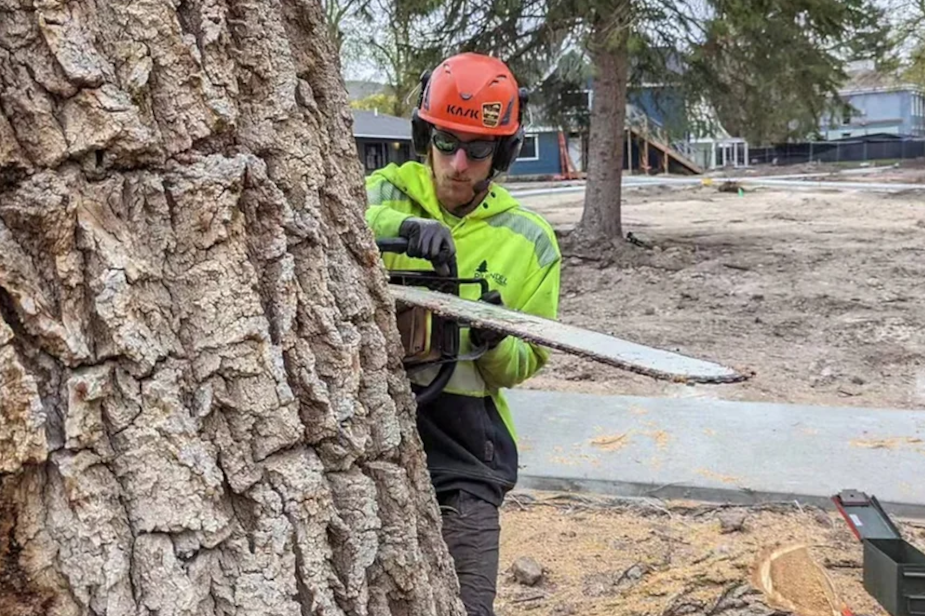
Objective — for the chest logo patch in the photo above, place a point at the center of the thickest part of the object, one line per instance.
(482, 271)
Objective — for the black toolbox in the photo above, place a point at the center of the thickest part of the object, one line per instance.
(894, 570)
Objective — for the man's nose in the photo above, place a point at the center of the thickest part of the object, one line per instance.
(460, 161)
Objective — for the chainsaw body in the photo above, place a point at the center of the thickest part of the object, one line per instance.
(429, 339)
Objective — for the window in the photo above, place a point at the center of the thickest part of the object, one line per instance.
(576, 100)
(374, 156)
(530, 149)
(575, 107)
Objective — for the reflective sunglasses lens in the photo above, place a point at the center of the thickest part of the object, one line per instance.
(444, 142)
(480, 150)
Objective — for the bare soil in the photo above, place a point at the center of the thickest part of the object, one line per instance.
(906, 172)
(606, 557)
(820, 293)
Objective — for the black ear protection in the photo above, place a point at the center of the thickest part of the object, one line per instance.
(508, 147)
(420, 128)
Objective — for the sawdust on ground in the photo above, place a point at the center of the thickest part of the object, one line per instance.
(717, 476)
(886, 443)
(795, 582)
(613, 442)
(605, 557)
(820, 292)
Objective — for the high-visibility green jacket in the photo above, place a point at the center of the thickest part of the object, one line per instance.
(467, 431)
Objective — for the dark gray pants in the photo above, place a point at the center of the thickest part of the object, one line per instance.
(472, 531)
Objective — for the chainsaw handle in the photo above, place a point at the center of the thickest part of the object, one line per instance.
(400, 245)
(392, 244)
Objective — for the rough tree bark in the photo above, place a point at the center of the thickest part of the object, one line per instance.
(600, 220)
(202, 408)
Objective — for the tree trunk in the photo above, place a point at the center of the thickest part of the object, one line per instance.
(202, 406)
(600, 220)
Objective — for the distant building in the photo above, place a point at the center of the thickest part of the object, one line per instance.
(541, 153)
(549, 152)
(381, 139)
(876, 103)
(661, 129)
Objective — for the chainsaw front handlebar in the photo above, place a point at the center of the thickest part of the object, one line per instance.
(392, 244)
(399, 245)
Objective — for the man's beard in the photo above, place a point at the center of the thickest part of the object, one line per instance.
(454, 194)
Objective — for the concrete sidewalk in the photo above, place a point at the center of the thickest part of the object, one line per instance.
(714, 450)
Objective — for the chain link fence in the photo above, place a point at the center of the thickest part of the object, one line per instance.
(843, 150)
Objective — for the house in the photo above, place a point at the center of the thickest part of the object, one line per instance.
(549, 152)
(381, 139)
(541, 153)
(692, 128)
(664, 132)
(876, 103)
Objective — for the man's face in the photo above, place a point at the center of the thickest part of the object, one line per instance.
(455, 172)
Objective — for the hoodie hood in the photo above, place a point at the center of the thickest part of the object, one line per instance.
(415, 180)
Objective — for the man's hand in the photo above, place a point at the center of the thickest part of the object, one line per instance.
(487, 337)
(429, 239)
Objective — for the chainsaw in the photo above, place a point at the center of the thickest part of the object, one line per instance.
(430, 313)
(429, 339)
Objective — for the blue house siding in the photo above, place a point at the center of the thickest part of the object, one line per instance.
(917, 115)
(882, 109)
(905, 110)
(913, 113)
(546, 161)
(898, 111)
(662, 104)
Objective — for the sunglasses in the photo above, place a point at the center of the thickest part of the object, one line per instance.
(448, 143)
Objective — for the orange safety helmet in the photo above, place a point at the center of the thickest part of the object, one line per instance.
(472, 93)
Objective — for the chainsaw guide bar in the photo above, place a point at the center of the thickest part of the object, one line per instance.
(648, 361)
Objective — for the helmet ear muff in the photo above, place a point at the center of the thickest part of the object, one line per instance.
(507, 152)
(420, 134)
(509, 147)
(420, 128)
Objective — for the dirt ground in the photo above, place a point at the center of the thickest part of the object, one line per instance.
(605, 557)
(821, 294)
(905, 172)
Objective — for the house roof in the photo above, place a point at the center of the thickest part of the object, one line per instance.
(373, 125)
(869, 81)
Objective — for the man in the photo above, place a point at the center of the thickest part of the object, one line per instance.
(468, 124)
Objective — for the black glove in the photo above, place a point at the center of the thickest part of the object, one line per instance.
(429, 239)
(487, 337)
